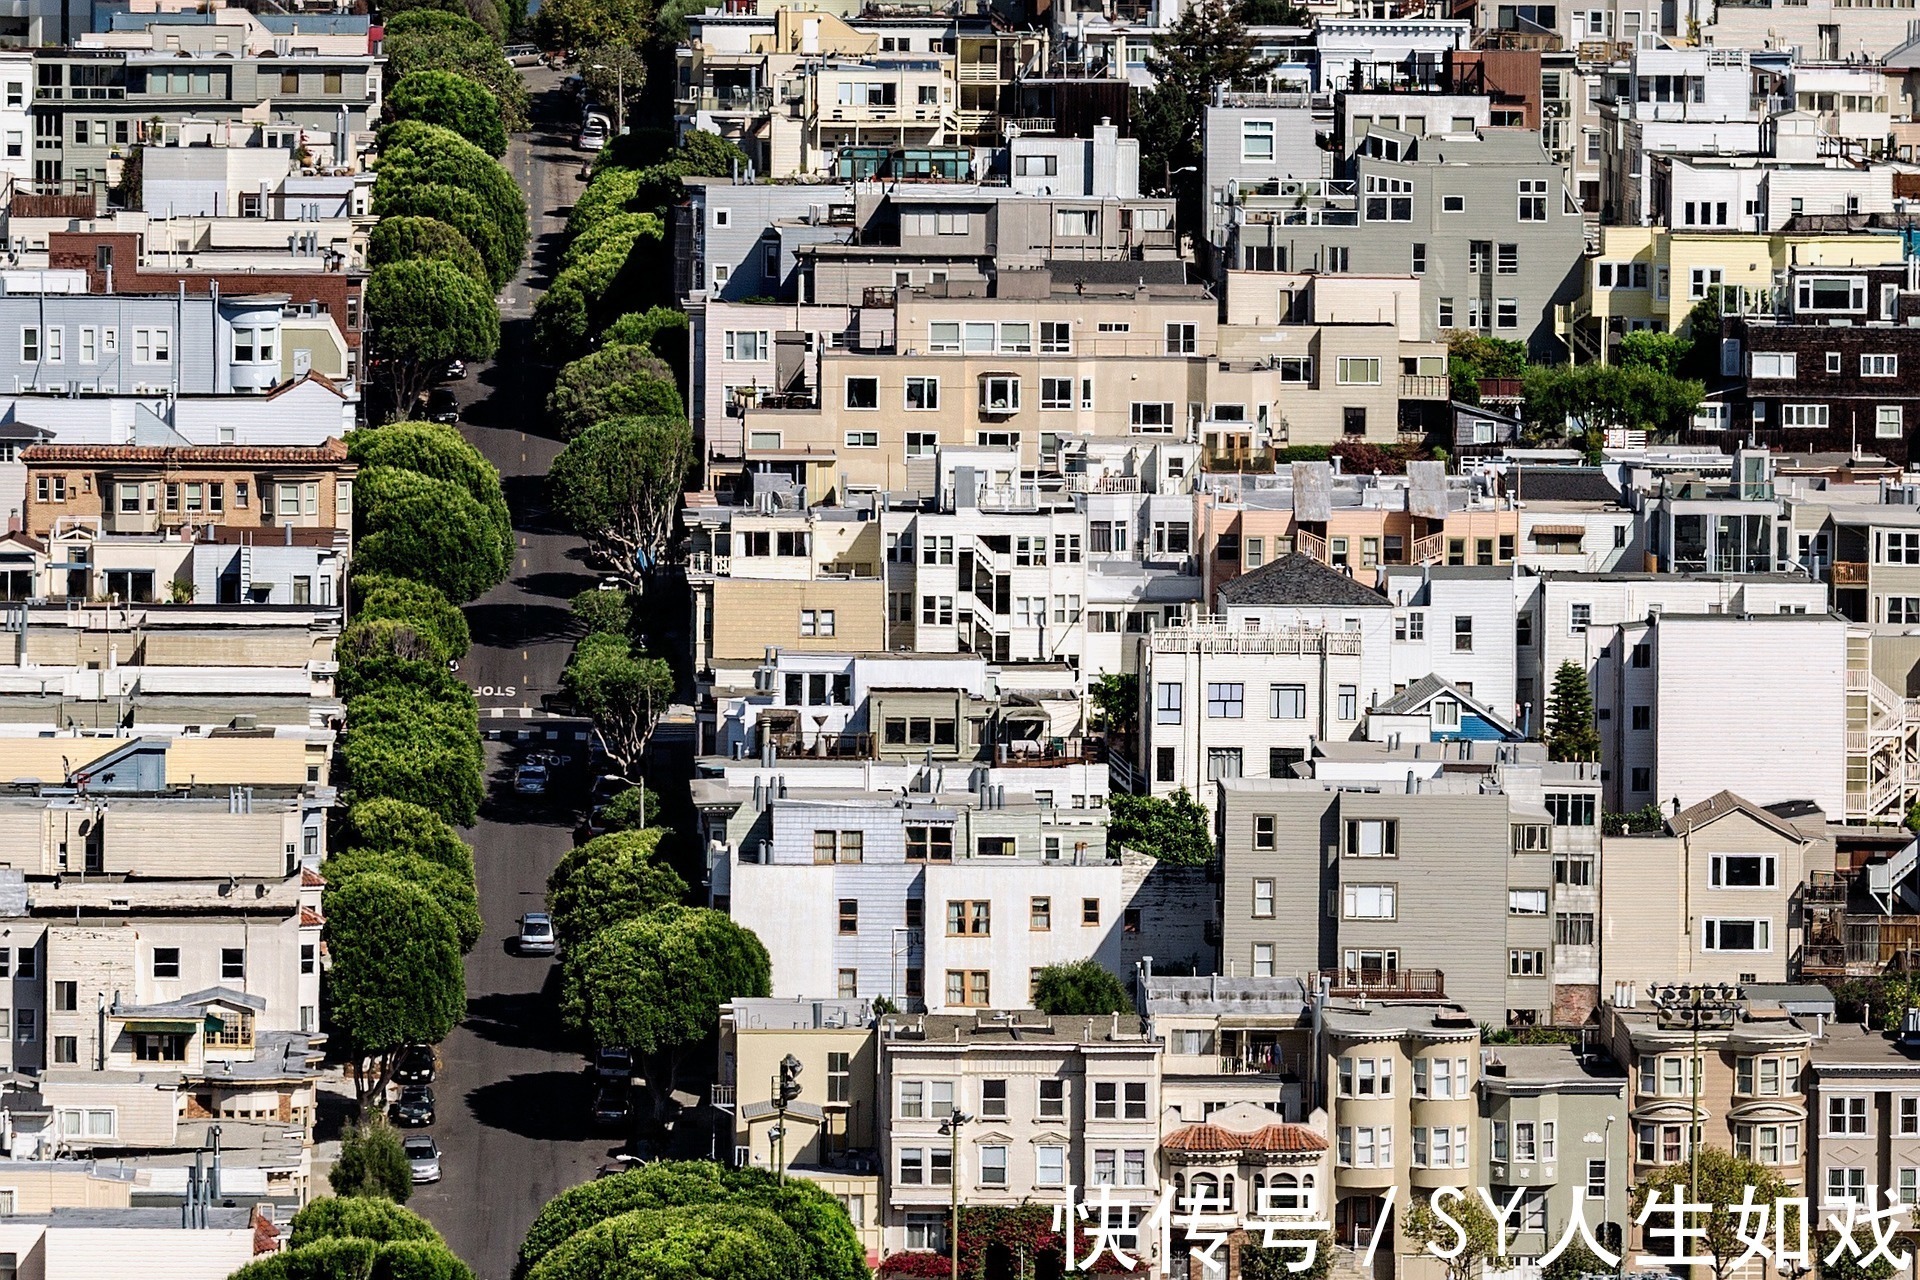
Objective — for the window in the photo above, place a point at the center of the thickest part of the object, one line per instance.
(30, 344)
(749, 344)
(166, 962)
(1263, 899)
(1526, 902)
(1167, 703)
(1358, 371)
(1089, 911)
(1053, 1099)
(968, 988)
(1453, 204)
(863, 393)
(152, 346)
(1263, 959)
(1463, 635)
(1871, 366)
(1263, 824)
(999, 394)
(993, 1098)
(1533, 199)
(1889, 422)
(1050, 1166)
(1573, 929)
(1389, 199)
(1526, 964)
(1509, 259)
(1367, 902)
(969, 918)
(1347, 702)
(1256, 140)
(1372, 838)
(1738, 935)
(233, 963)
(1741, 870)
(1808, 416)
(1180, 339)
(1846, 1184)
(1507, 313)
(1226, 701)
(1076, 222)
(1774, 364)
(1570, 809)
(1846, 1116)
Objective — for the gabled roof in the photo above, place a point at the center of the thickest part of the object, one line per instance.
(1719, 805)
(1416, 697)
(1297, 578)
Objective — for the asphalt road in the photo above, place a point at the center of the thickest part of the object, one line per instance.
(513, 1125)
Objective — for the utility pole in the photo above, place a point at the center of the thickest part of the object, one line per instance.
(951, 1126)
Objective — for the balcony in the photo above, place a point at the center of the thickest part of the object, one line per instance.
(1409, 984)
(707, 565)
(722, 1097)
(1049, 751)
(1033, 126)
(797, 744)
(1425, 386)
(1849, 573)
(729, 101)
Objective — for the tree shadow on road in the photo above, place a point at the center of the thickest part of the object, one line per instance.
(550, 1106)
(508, 625)
(521, 1019)
(557, 586)
(527, 499)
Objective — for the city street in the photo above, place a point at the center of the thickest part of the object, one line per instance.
(513, 1102)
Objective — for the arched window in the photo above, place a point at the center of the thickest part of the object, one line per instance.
(1226, 1194)
(1285, 1194)
(1206, 1189)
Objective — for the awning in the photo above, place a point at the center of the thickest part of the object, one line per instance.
(186, 1023)
(1559, 531)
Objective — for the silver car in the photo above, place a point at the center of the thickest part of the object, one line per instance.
(423, 1157)
(536, 934)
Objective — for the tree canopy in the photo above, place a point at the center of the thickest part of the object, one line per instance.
(438, 450)
(603, 612)
(827, 1246)
(395, 826)
(451, 890)
(358, 1218)
(1082, 987)
(584, 24)
(656, 984)
(461, 210)
(1723, 1177)
(370, 1179)
(684, 1242)
(609, 269)
(453, 101)
(617, 485)
(423, 312)
(1173, 829)
(419, 746)
(623, 380)
(413, 153)
(623, 691)
(412, 525)
(406, 236)
(423, 607)
(378, 651)
(1445, 1221)
(609, 879)
(425, 40)
(1600, 396)
(396, 978)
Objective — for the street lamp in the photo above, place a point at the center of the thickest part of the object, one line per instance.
(1691, 1005)
(786, 1087)
(951, 1127)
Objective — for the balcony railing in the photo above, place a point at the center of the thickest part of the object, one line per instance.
(723, 1096)
(1425, 386)
(730, 100)
(798, 745)
(1036, 751)
(1849, 573)
(1416, 983)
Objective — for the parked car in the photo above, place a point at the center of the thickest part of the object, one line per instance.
(441, 406)
(423, 1157)
(610, 1105)
(455, 369)
(536, 934)
(523, 55)
(530, 780)
(593, 136)
(415, 1108)
(416, 1065)
(613, 1062)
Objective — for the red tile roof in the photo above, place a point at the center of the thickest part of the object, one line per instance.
(1273, 1137)
(310, 919)
(333, 450)
(1201, 1137)
(1286, 1137)
(311, 879)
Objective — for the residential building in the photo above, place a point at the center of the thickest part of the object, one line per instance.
(830, 1132)
(1652, 277)
(69, 340)
(93, 104)
(1245, 1162)
(1231, 1041)
(1554, 1130)
(275, 489)
(1681, 101)
(1398, 1073)
(1746, 1087)
(1709, 896)
(1864, 1117)
(74, 1243)
(1514, 834)
(1818, 366)
(1199, 727)
(16, 117)
(1482, 218)
(944, 899)
(1053, 1103)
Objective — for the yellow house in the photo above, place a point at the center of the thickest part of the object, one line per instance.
(1651, 277)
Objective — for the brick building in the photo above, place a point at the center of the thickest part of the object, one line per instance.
(144, 489)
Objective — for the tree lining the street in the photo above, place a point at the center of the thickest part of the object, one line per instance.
(406, 236)
(617, 486)
(452, 101)
(426, 40)
(611, 878)
(828, 1248)
(623, 380)
(421, 314)
(359, 1238)
(396, 978)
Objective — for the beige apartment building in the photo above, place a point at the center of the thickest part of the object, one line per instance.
(829, 1132)
(1397, 1073)
(1865, 1127)
(1744, 1092)
(1709, 898)
(1102, 349)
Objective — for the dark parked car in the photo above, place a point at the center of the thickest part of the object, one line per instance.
(415, 1108)
(416, 1065)
(441, 406)
(613, 1062)
(610, 1105)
